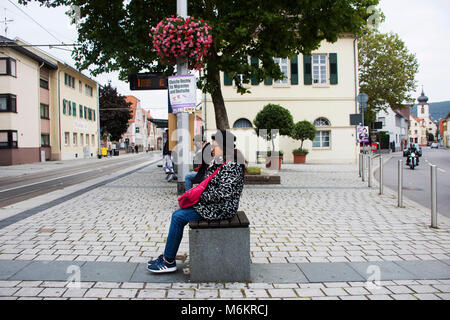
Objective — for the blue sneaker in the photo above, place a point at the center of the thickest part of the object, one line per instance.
(161, 266)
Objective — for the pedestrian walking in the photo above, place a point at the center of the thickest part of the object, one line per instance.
(167, 159)
(219, 200)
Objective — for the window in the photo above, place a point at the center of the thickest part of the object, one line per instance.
(43, 83)
(93, 140)
(8, 67)
(8, 103)
(322, 139)
(74, 109)
(80, 86)
(137, 129)
(45, 111)
(242, 123)
(322, 122)
(66, 138)
(319, 68)
(8, 139)
(75, 139)
(284, 67)
(85, 112)
(89, 114)
(81, 111)
(69, 80)
(88, 90)
(45, 140)
(81, 139)
(87, 139)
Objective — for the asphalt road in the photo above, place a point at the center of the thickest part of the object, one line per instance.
(417, 182)
(16, 189)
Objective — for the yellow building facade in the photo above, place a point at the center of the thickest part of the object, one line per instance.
(320, 88)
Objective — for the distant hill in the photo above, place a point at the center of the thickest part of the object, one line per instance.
(438, 110)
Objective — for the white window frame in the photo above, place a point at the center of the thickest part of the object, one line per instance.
(284, 64)
(75, 138)
(66, 138)
(321, 66)
(322, 145)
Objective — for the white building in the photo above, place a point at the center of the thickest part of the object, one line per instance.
(396, 125)
(423, 112)
(321, 88)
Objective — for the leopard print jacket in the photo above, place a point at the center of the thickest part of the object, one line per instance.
(220, 199)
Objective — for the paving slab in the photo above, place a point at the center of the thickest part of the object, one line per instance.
(107, 271)
(383, 270)
(276, 273)
(426, 269)
(8, 268)
(47, 270)
(329, 272)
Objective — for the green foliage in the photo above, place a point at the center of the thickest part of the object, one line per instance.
(300, 151)
(253, 171)
(271, 118)
(387, 71)
(114, 36)
(303, 130)
(114, 112)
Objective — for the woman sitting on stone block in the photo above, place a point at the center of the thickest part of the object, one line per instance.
(219, 200)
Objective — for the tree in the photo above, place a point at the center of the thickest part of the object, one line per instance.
(276, 120)
(114, 36)
(114, 112)
(387, 72)
(303, 130)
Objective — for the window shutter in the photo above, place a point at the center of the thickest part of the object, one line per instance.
(268, 81)
(64, 106)
(70, 107)
(255, 63)
(227, 80)
(307, 70)
(333, 69)
(294, 70)
(74, 109)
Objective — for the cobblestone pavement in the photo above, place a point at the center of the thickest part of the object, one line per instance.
(320, 213)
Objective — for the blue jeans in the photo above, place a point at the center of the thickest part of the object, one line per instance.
(180, 218)
(188, 180)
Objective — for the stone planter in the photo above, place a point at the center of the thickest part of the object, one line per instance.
(262, 179)
(299, 158)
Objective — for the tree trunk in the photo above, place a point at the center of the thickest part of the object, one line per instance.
(217, 98)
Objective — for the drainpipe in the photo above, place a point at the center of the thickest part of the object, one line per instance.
(39, 114)
(59, 108)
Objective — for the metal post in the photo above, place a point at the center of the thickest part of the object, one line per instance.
(400, 183)
(363, 173)
(381, 175)
(360, 164)
(369, 170)
(182, 118)
(433, 197)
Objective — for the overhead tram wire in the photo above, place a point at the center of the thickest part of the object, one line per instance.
(21, 10)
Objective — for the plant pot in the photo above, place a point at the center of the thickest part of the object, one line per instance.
(274, 163)
(299, 158)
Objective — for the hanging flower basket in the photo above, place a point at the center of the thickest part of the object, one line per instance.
(189, 38)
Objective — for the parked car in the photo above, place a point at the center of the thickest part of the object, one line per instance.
(434, 145)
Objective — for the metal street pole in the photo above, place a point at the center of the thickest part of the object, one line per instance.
(400, 183)
(381, 175)
(182, 119)
(369, 167)
(433, 197)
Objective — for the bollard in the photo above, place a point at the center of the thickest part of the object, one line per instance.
(400, 183)
(369, 171)
(363, 173)
(360, 160)
(381, 175)
(433, 197)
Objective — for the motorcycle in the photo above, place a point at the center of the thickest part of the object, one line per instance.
(413, 160)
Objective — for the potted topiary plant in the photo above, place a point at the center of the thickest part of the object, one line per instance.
(272, 120)
(303, 130)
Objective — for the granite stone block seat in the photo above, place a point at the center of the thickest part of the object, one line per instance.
(219, 250)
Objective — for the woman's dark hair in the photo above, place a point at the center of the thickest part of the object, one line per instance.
(226, 140)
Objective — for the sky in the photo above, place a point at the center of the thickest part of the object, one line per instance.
(423, 25)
